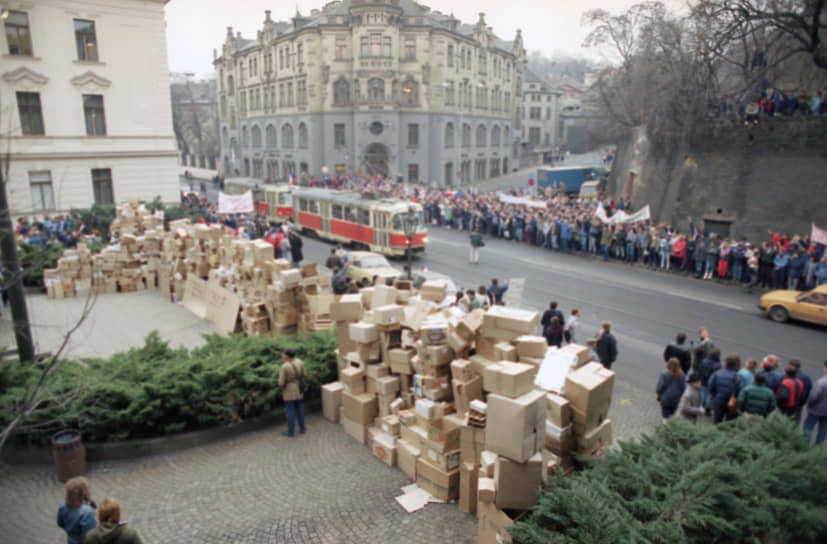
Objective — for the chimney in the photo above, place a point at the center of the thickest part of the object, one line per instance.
(267, 18)
(482, 19)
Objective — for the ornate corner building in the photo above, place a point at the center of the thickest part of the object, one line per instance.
(371, 87)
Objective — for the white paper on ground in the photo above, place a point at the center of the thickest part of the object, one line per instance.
(553, 371)
(414, 500)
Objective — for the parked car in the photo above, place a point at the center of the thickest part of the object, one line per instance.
(364, 264)
(809, 306)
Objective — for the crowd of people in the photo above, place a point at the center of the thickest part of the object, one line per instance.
(86, 522)
(773, 103)
(696, 382)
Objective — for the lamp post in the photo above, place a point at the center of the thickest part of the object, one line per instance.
(411, 224)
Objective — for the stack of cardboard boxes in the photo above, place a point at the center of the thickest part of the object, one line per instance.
(451, 399)
(73, 275)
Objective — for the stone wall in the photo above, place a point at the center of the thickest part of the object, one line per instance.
(738, 179)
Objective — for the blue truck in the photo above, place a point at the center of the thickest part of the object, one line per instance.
(572, 177)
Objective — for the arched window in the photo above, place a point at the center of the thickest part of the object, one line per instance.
(376, 90)
(256, 136)
(449, 135)
(302, 136)
(495, 136)
(341, 93)
(287, 136)
(244, 138)
(410, 93)
(270, 136)
(505, 137)
(481, 136)
(230, 86)
(466, 135)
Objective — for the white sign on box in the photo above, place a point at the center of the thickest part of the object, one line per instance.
(553, 371)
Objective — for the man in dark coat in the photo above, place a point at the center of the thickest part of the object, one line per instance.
(296, 248)
(606, 345)
(722, 385)
(679, 351)
(552, 311)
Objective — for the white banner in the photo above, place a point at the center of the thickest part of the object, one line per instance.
(235, 203)
(818, 236)
(622, 217)
(508, 199)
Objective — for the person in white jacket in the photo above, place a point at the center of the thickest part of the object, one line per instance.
(573, 326)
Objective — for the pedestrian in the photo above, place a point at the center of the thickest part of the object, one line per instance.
(496, 291)
(296, 244)
(701, 351)
(111, 529)
(748, 372)
(679, 351)
(690, 405)
(554, 333)
(552, 311)
(817, 410)
(722, 385)
(476, 243)
(806, 387)
(789, 392)
(291, 382)
(671, 385)
(707, 368)
(573, 326)
(606, 345)
(756, 398)
(769, 365)
(76, 515)
(283, 245)
(333, 261)
(482, 297)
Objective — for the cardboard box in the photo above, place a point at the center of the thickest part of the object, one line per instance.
(425, 408)
(471, 444)
(582, 353)
(516, 426)
(387, 385)
(384, 402)
(376, 371)
(517, 484)
(503, 351)
(414, 435)
(439, 355)
(332, 401)
(479, 364)
(493, 524)
(557, 409)
(531, 346)
(363, 332)
(382, 295)
(437, 388)
(355, 429)
(462, 370)
(448, 460)
(589, 388)
(436, 370)
(385, 449)
(468, 326)
(465, 392)
(468, 477)
(360, 408)
(353, 380)
(370, 386)
(406, 458)
(391, 314)
(433, 331)
(509, 379)
(456, 342)
(488, 459)
(370, 352)
(559, 439)
(486, 490)
(512, 319)
(400, 360)
(443, 436)
(434, 290)
(443, 485)
(598, 438)
(388, 425)
(485, 346)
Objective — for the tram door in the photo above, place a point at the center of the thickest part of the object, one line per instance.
(324, 211)
(381, 225)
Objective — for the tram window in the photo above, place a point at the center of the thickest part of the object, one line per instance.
(303, 204)
(285, 199)
(399, 221)
(350, 216)
(314, 207)
(364, 217)
(337, 211)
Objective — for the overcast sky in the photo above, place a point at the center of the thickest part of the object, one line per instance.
(196, 27)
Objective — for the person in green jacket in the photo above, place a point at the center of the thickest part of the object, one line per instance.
(476, 244)
(111, 529)
(757, 399)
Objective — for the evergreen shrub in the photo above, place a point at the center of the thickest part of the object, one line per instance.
(155, 390)
(750, 480)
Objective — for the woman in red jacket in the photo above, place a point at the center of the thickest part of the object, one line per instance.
(723, 258)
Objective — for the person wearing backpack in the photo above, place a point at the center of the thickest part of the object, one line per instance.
(789, 392)
(293, 386)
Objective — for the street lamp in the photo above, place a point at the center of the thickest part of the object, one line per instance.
(411, 224)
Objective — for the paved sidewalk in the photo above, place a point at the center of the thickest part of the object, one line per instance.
(322, 487)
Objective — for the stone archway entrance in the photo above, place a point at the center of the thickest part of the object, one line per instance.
(377, 159)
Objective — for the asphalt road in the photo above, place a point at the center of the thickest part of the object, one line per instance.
(647, 308)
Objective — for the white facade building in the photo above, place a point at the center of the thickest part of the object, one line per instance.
(541, 112)
(85, 104)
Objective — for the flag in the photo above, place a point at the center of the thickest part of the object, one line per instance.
(819, 236)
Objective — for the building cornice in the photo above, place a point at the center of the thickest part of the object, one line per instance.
(23, 73)
(87, 78)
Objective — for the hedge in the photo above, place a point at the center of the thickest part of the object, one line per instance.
(155, 390)
(750, 480)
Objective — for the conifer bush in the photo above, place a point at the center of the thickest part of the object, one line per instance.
(154, 390)
(750, 480)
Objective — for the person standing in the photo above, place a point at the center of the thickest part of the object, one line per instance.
(670, 388)
(552, 311)
(296, 245)
(573, 326)
(679, 351)
(722, 385)
(476, 243)
(748, 372)
(756, 398)
(690, 405)
(806, 387)
(283, 245)
(707, 368)
(817, 410)
(769, 364)
(76, 515)
(789, 392)
(606, 345)
(291, 379)
(111, 529)
(554, 333)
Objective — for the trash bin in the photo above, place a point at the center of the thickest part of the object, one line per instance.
(69, 454)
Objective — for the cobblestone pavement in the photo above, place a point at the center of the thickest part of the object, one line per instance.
(321, 487)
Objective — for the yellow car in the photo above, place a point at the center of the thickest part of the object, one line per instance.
(809, 306)
(364, 264)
